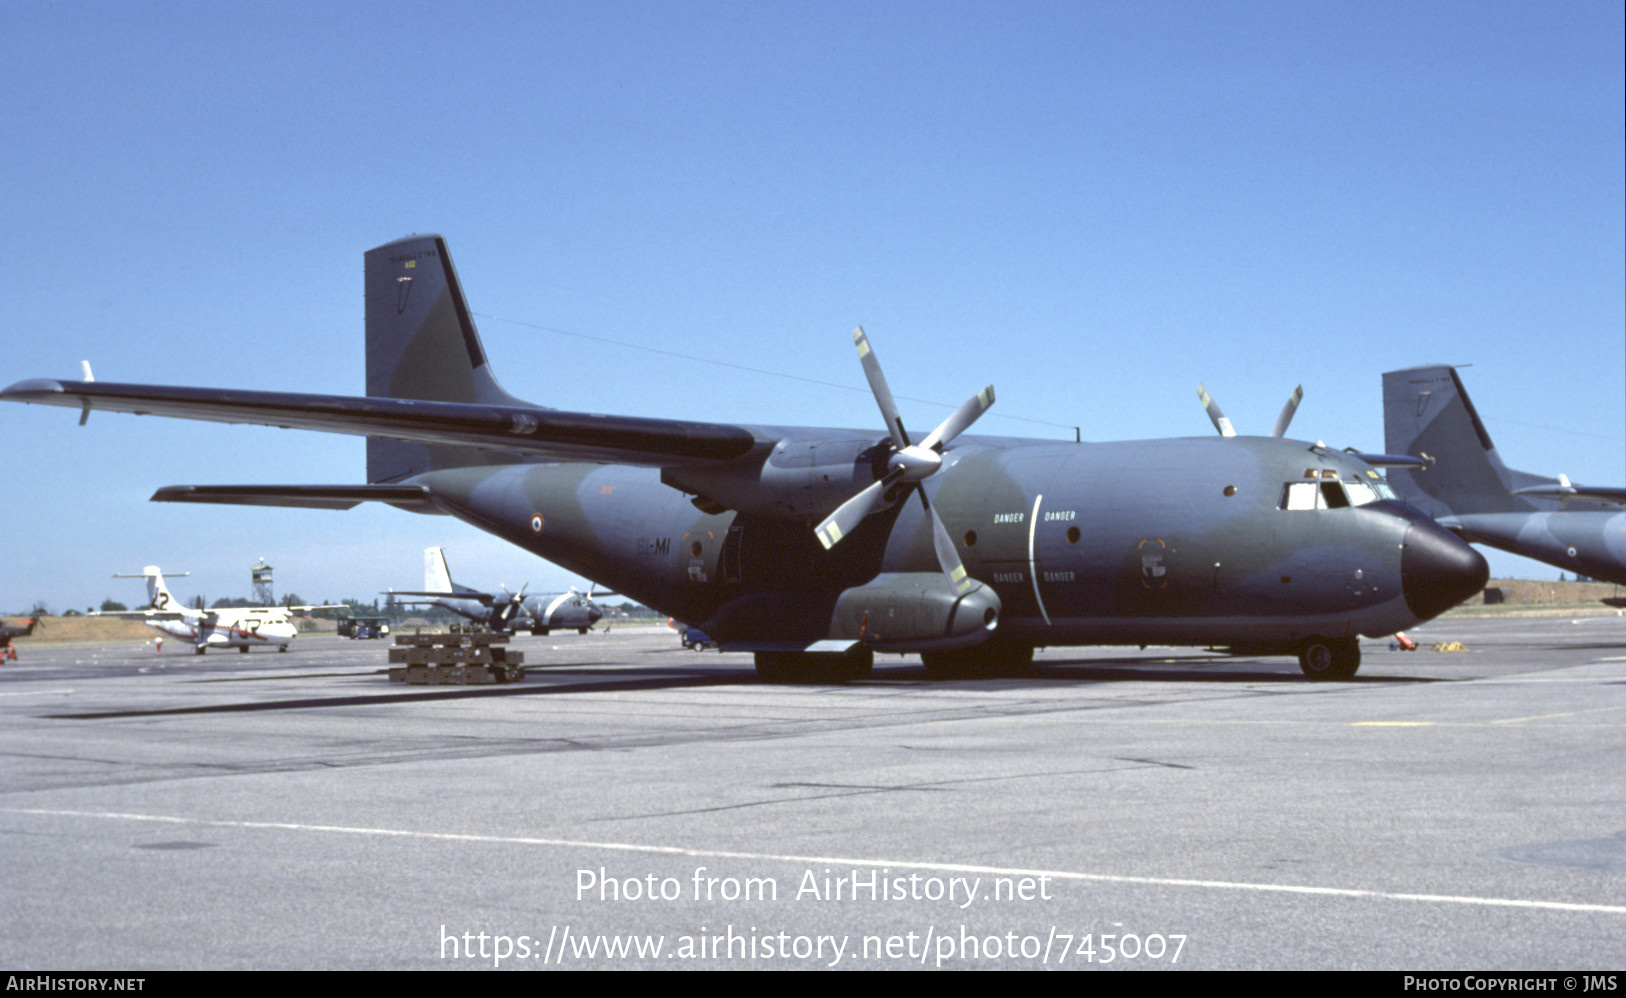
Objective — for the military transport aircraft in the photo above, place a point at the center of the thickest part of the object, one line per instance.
(808, 546)
(570, 610)
(239, 627)
(8, 631)
(1465, 485)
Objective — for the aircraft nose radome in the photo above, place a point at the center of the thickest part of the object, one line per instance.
(1438, 569)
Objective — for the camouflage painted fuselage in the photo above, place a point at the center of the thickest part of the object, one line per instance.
(1141, 542)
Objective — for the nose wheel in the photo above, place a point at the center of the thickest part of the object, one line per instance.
(1324, 659)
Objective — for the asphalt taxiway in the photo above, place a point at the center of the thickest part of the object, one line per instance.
(635, 804)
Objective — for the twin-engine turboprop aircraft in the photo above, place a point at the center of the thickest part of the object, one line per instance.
(571, 610)
(817, 548)
(237, 627)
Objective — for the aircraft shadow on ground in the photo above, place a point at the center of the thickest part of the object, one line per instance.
(1196, 671)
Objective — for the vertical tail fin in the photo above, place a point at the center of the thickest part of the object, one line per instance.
(422, 344)
(1427, 414)
(158, 597)
(436, 577)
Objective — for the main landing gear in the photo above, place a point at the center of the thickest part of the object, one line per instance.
(1329, 658)
(988, 660)
(815, 666)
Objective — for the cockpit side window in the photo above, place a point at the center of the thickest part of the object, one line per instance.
(1361, 493)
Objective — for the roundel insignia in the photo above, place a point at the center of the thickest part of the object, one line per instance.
(536, 523)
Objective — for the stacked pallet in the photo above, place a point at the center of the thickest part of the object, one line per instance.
(457, 657)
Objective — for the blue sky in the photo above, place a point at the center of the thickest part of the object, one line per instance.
(1090, 205)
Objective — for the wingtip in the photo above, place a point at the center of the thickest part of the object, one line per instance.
(31, 388)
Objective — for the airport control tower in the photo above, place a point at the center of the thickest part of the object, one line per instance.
(262, 585)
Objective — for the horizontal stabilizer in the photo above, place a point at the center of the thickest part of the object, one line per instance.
(1389, 460)
(1564, 490)
(301, 496)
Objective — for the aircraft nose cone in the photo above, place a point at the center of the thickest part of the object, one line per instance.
(1438, 569)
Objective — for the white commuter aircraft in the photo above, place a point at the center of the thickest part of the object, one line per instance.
(235, 627)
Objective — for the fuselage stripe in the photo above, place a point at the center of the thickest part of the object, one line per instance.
(1033, 569)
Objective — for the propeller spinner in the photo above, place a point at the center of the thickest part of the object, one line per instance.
(907, 466)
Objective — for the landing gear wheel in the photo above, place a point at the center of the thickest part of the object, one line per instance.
(776, 666)
(1329, 659)
(815, 667)
(957, 664)
(985, 660)
(1003, 659)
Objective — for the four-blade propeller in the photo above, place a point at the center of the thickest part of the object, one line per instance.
(907, 466)
(515, 601)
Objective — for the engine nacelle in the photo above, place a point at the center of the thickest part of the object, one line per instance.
(797, 480)
(915, 611)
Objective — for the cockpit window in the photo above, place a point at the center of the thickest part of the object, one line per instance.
(1301, 495)
(1329, 494)
(1360, 493)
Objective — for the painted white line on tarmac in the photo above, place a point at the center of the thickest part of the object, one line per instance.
(997, 871)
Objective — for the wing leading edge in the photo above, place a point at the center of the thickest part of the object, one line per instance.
(534, 431)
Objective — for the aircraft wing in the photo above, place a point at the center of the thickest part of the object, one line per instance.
(486, 598)
(546, 433)
(144, 614)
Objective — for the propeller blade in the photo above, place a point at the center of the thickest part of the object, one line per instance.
(847, 516)
(1217, 417)
(948, 557)
(1292, 406)
(960, 420)
(877, 385)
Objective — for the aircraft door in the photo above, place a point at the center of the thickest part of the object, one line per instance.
(731, 567)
